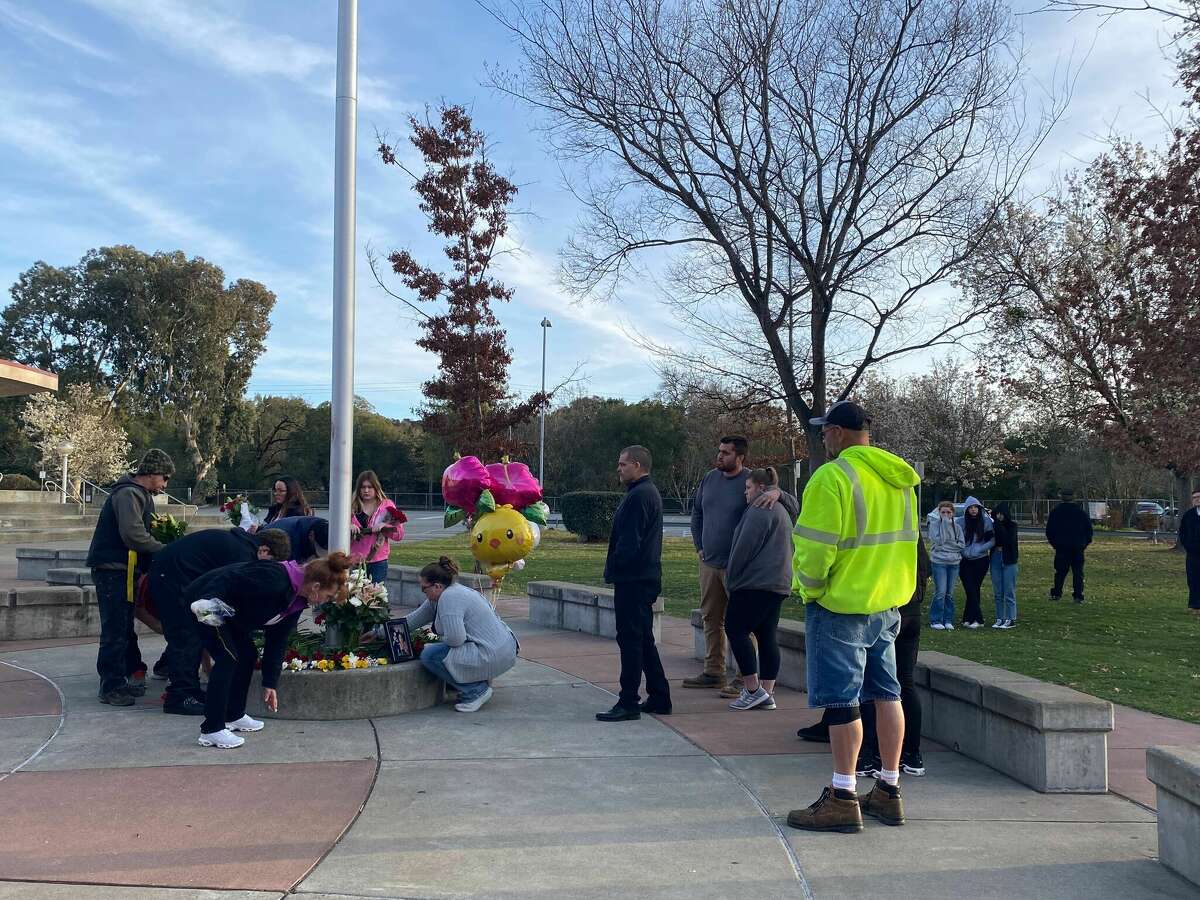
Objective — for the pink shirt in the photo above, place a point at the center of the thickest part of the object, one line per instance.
(365, 546)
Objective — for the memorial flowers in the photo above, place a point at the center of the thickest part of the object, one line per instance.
(239, 510)
(365, 606)
(319, 661)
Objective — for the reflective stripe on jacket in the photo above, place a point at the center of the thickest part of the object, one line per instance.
(855, 540)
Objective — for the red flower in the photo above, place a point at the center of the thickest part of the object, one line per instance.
(319, 619)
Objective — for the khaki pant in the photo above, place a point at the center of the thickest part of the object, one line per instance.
(713, 602)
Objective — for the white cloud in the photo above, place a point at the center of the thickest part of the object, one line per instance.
(30, 26)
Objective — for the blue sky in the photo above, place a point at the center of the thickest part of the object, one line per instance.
(207, 126)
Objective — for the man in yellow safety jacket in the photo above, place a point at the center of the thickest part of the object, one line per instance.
(855, 562)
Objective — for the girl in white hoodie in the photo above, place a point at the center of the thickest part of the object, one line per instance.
(946, 544)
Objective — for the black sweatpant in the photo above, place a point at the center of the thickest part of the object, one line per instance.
(1192, 565)
(182, 632)
(757, 613)
(119, 654)
(1065, 559)
(971, 573)
(234, 656)
(633, 603)
(908, 644)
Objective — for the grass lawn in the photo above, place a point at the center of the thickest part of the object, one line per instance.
(1132, 642)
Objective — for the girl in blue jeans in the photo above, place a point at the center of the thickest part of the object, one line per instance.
(1004, 567)
(946, 543)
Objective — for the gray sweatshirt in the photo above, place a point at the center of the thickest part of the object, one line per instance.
(761, 556)
(946, 541)
(482, 647)
(720, 503)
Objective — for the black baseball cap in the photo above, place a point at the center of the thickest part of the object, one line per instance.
(844, 414)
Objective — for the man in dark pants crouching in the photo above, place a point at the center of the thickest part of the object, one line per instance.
(121, 543)
(634, 569)
(178, 565)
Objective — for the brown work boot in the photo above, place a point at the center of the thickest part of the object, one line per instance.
(884, 803)
(834, 811)
(734, 688)
(704, 680)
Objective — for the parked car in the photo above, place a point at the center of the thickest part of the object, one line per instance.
(1150, 506)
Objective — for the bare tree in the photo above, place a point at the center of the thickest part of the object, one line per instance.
(827, 164)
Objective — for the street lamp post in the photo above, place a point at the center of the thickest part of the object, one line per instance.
(66, 448)
(542, 417)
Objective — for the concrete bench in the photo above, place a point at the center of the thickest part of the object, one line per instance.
(77, 576)
(579, 607)
(37, 613)
(34, 562)
(404, 585)
(1047, 736)
(1175, 772)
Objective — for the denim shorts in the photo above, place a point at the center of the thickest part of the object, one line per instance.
(850, 657)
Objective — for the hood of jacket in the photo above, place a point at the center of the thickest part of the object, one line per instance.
(1002, 508)
(973, 501)
(891, 468)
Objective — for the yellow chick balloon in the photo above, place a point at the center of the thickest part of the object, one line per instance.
(501, 538)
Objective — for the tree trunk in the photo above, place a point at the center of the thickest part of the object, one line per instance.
(816, 448)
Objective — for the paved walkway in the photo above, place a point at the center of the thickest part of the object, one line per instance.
(529, 798)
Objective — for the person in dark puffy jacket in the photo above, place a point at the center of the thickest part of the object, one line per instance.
(1004, 566)
(1069, 531)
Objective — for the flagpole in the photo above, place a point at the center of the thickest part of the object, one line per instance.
(341, 445)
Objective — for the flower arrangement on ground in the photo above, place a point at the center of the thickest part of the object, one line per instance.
(365, 606)
(238, 509)
(332, 662)
(421, 637)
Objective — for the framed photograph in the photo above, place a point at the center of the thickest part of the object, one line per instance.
(399, 641)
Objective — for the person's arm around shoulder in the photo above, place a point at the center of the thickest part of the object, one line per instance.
(129, 508)
(769, 498)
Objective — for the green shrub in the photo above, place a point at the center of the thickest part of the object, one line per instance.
(589, 514)
(12, 482)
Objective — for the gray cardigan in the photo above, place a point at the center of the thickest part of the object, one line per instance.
(482, 647)
(761, 556)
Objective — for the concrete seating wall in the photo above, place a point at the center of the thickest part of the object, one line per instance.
(36, 563)
(404, 585)
(1175, 772)
(579, 607)
(51, 611)
(1047, 736)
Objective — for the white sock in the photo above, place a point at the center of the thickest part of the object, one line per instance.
(844, 782)
(892, 778)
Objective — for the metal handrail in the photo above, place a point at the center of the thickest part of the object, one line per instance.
(75, 497)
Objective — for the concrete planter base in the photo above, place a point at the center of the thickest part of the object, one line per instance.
(353, 694)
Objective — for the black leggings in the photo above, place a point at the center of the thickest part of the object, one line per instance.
(234, 656)
(971, 573)
(757, 613)
(908, 642)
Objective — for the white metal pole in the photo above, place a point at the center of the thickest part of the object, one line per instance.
(64, 479)
(341, 446)
(542, 417)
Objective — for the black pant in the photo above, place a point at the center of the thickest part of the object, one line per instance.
(633, 603)
(182, 632)
(1192, 565)
(118, 655)
(1065, 559)
(234, 655)
(971, 573)
(908, 643)
(754, 612)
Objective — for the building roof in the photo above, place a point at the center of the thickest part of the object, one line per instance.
(18, 379)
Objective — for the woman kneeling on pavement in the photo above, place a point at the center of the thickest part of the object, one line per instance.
(475, 647)
(758, 579)
(263, 595)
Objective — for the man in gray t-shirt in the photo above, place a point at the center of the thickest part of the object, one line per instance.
(716, 511)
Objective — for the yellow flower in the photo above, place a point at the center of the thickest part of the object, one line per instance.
(382, 661)
(362, 664)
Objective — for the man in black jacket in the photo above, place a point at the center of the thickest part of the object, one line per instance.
(1189, 540)
(122, 547)
(634, 569)
(175, 567)
(1069, 531)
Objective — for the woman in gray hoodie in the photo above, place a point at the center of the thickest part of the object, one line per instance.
(977, 528)
(946, 544)
(758, 579)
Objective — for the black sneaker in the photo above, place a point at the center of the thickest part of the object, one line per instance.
(136, 687)
(119, 697)
(817, 733)
(188, 706)
(1054, 596)
(868, 767)
(912, 764)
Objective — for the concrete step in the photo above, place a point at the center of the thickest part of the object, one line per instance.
(41, 522)
(76, 577)
(45, 535)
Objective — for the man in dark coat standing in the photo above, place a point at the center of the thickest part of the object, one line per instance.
(634, 569)
(1189, 540)
(1069, 531)
(122, 547)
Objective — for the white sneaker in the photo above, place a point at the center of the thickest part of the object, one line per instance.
(245, 723)
(949, 627)
(971, 625)
(473, 705)
(750, 699)
(999, 623)
(1008, 623)
(938, 626)
(223, 740)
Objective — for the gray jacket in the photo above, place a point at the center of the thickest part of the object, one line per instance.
(482, 646)
(946, 540)
(761, 556)
(718, 507)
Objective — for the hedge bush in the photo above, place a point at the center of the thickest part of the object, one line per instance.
(11, 482)
(589, 514)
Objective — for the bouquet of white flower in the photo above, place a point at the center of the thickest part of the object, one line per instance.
(365, 606)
